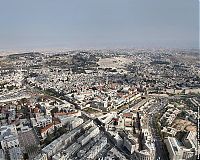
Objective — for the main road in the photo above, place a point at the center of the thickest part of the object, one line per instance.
(161, 150)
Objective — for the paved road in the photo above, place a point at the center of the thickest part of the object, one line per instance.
(160, 146)
(161, 151)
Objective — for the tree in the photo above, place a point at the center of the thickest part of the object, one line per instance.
(32, 148)
(115, 123)
(55, 129)
(61, 110)
(48, 139)
(23, 101)
(45, 111)
(26, 157)
(62, 130)
(54, 110)
(10, 87)
(26, 110)
(134, 130)
(182, 114)
(40, 99)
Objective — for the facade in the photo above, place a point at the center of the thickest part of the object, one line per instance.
(92, 132)
(88, 146)
(65, 154)
(41, 156)
(145, 155)
(2, 154)
(57, 144)
(76, 122)
(92, 153)
(130, 145)
(177, 151)
(15, 153)
(63, 140)
(41, 121)
(8, 137)
(10, 141)
(48, 129)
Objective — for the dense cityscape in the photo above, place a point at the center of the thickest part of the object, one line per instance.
(140, 104)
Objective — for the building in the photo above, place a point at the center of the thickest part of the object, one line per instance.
(9, 141)
(47, 130)
(15, 153)
(2, 154)
(63, 140)
(88, 146)
(130, 144)
(41, 121)
(41, 156)
(60, 142)
(178, 151)
(92, 153)
(92, 132)
(8, 137)
(190, 140)
(75, 122)
(144, 155)
(65, 154)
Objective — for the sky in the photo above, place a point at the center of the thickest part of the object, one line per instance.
(73, 24)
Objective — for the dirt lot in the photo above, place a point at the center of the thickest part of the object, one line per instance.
(186, 125)
(114, 62)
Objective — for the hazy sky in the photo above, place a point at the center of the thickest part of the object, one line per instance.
(29, 24)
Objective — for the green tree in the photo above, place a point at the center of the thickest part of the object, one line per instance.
(55, 130)
(26, 157)
(62, 130)
(54, 110)
(48, 139)
(23, 101)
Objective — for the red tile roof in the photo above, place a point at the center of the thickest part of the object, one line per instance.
(46, 128)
